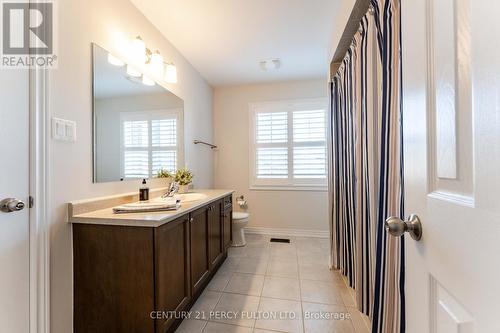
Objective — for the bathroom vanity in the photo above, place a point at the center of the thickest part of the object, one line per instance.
(137, 272)
(129, 266)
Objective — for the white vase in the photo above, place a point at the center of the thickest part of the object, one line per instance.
(183, 189)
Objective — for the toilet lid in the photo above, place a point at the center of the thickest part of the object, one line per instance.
(240, 215)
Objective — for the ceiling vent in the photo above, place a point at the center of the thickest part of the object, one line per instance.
(270, 64)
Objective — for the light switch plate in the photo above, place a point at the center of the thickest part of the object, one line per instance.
(63, 130)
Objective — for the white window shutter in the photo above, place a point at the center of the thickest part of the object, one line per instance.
(272, 127)
(164, 138)
(309, 162)
(289, 145)
(150, 143)
(309, 126)
(309, 137)
(164, 159)
(135, 133)
(272, 162)
(272, 153)
(164, 132)
(136, 164)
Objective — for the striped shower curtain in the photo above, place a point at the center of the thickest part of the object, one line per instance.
(366, 182)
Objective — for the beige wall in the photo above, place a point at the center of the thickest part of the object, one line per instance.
(340, 19)
(268, 209)
(108, 23)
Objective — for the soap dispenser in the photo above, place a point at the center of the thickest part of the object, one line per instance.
(144, 191)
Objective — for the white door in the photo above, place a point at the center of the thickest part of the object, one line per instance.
(451, 92)
(14, 183)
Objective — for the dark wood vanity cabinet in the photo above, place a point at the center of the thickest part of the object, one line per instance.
(215, 233)
(227, 222)
(172, 269)
(114, 287)
(199, 248)
(132, 279)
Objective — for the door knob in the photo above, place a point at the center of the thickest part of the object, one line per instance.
(397, 227)
(10, 205)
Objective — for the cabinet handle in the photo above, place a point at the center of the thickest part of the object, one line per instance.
(191, 220)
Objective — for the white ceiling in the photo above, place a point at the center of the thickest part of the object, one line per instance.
(225, 39)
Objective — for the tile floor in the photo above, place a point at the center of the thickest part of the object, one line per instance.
(291, 282)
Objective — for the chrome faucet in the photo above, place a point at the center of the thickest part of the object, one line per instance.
(172, 190)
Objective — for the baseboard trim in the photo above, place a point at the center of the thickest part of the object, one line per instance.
(288, 232)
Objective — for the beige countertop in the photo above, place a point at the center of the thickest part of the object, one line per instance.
(100, 210)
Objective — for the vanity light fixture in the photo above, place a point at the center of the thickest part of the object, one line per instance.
(171, 73)
(138, 50)
(156, 63)
(147, 81)
(142, 57)
(133, 72)
(115, 61)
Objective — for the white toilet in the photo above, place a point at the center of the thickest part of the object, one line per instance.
(240, 220)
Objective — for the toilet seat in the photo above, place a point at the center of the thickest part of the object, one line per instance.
(240, 215)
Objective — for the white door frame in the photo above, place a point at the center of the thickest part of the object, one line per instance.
(39, 241)
(39, 215)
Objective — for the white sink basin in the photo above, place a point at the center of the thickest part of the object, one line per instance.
(190, 197)
(159, 204)
(185, 197)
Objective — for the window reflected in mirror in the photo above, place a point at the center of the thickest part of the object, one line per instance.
(149, 142)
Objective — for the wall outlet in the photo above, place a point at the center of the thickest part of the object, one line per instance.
(63, 130)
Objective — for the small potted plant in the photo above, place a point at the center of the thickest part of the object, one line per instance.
(183, 177)
(167, 175)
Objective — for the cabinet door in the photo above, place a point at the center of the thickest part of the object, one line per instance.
(215, 232)
(199, 248)
(113, 279)
(227, 222)
(172, 287)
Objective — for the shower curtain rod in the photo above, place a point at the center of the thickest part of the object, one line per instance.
(358, 11)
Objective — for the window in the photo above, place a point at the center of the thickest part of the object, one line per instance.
(288, 145)
(151, 141)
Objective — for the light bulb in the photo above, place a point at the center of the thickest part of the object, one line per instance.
(156, 63)
(138, 50)
(132, 71)
(147, 81)
(115, 61)
(171, 73)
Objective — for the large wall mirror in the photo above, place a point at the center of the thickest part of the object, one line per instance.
(138, 124)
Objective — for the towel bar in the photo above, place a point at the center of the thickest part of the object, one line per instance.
(205, 143)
